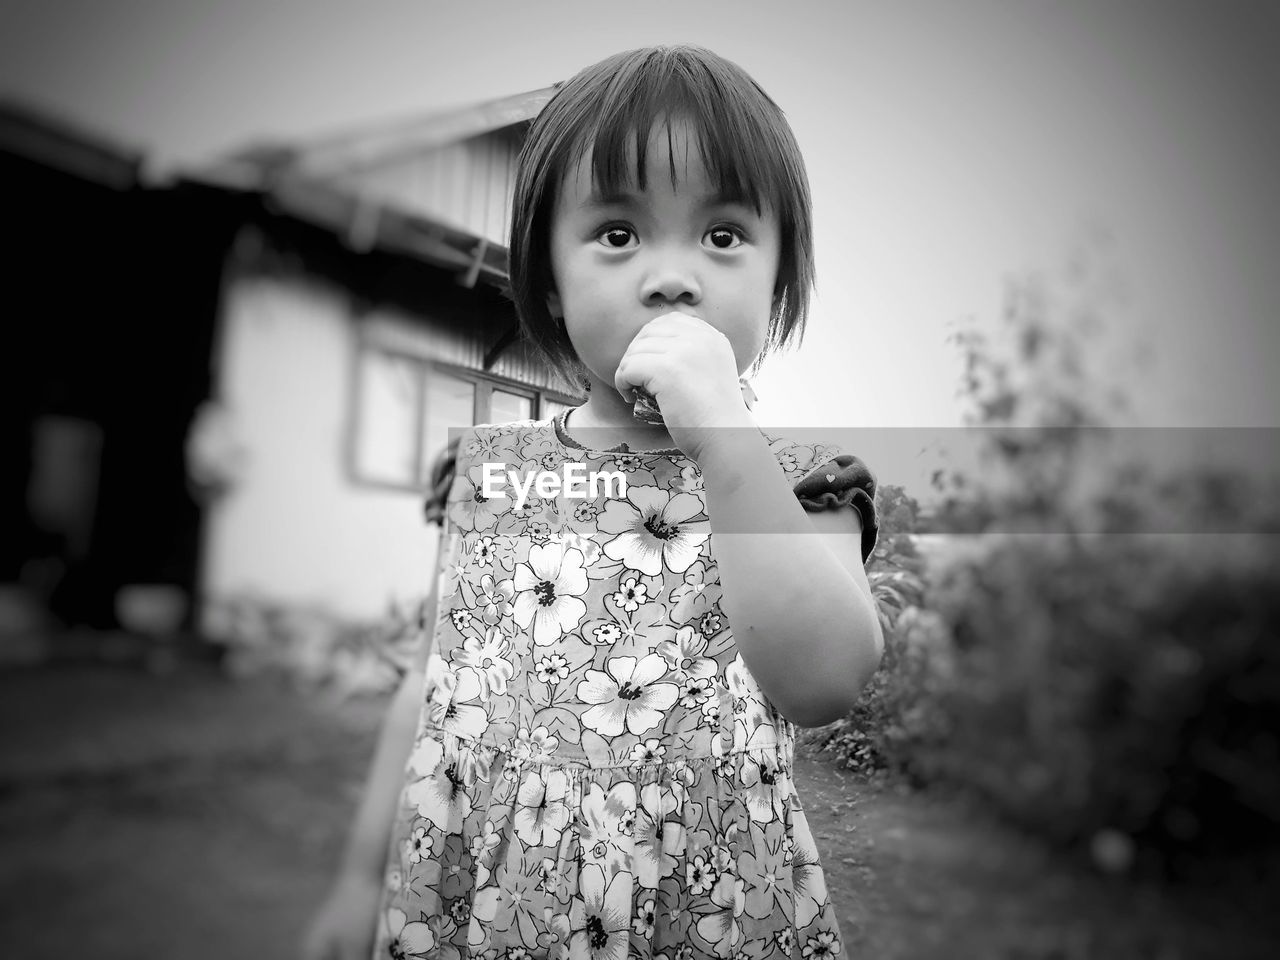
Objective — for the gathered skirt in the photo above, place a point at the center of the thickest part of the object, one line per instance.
(503, 851)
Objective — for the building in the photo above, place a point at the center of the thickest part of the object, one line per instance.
(284, 338)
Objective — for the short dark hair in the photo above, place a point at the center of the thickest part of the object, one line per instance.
(443, 468)
(746, 145)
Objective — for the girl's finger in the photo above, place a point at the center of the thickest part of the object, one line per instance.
(631, 374)
(663, 332)
(649, 350)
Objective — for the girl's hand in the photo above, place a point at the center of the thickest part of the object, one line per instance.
(690, 368)
(344, 926)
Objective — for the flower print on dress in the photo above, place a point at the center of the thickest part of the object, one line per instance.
(606, 823)
(438, 792)
(645, 919)
(698, 595)
(752, 720)
(537, 744)
(764, 860)
(585, 512)
(485, 840)
(421, 845)
(541, 812)
(552, 668)
(695, 692)
(649, 751)
(532, 507)
(516, 901)
(495, 600)
(627, 462)
(504, 553)
(485, 447)
(700, 875)
(600, 917)
(710, 624)
(627, 695)
(632, 593)
(807, 879)
(457, 879)
(487, 659)
(605, 633)
(645, 635)
(684, 655)
(589, 549)
(821, 947)
(595, 771)
(486, 549)
(449, 709)
(722, 929)
(470, 509)
(690, 481)
(539, 448)
(461, 618)
(654, 528)
(549, 588)
(413, 939)
(659, 837)
(787, 455)
(761, 791)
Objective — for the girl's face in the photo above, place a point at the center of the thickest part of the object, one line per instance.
(618, 262)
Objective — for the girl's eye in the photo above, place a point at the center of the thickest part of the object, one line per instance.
(725, 238)
(616, 237)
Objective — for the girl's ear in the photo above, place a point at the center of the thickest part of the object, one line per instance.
(554, 306)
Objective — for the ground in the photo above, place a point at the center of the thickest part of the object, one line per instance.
(190, 815)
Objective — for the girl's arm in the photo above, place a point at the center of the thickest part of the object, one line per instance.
(367, 843)
(793, 583)
(345, 924)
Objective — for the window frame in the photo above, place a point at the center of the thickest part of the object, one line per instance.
(483, 384)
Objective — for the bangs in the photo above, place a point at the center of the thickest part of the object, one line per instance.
(738, 142)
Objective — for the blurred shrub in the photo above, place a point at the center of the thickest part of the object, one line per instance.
(1120, 692)
(1110, 684)
(312, 647)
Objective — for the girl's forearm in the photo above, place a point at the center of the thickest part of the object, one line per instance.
(806, 629)
(371, 829)
(366, 848)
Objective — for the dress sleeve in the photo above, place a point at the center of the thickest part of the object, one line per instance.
(463, 457)
(839, 482)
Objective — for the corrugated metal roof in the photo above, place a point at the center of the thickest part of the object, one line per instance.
(61, 145)
(350, 152)
(438, 186)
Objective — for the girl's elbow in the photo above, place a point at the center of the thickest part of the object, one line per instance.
(818, 712)
(810, 718)
(822, 707)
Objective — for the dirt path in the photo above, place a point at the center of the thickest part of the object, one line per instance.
(918, 877)
(190, 816)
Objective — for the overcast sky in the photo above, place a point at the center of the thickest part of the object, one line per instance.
(949, 146)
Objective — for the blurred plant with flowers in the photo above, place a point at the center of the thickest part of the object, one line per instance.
(313, 648)
(1118, 694)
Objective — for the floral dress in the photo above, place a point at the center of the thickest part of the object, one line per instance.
(595, 771)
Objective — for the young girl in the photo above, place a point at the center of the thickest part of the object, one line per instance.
(603, 766)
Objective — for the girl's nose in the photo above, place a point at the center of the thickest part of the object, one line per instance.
(670, 282)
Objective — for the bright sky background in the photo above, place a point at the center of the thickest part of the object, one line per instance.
(949, 145)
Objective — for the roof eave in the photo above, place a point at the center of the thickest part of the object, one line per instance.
(365, 226)
(60, 145)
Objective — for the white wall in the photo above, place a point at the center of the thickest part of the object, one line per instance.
(295, 528)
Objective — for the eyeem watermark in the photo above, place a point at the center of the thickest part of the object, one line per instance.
(573, 480)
